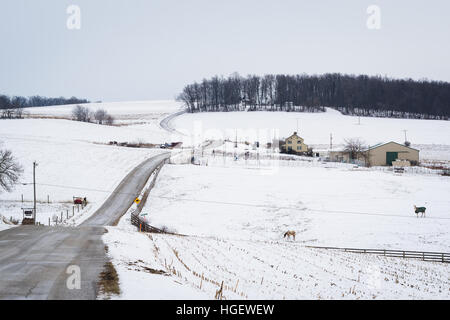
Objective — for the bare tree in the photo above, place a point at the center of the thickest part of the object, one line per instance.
(80, 113)
(356, 148)
(100, 115)
(18, 103)
(109, 120)
(10, 170)
(5, 107)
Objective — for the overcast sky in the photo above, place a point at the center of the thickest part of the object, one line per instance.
(150, 49)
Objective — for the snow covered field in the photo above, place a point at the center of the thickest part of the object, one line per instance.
(72, 161)
(316, 128)
(134, 110)
(177, 267)
(139, 121)
(326, 206)
(233, 218)
(234, 213)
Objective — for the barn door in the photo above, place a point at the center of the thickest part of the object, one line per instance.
(391, 156)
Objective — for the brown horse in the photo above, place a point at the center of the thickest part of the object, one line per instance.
(289, 234)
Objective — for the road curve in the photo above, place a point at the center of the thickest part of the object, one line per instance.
(34, 259)
(165, 123)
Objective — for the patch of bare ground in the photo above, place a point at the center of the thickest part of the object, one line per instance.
(145, 268)
(109, 280)
(39, 116)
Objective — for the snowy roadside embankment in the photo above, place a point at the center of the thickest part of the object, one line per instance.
(141, 274)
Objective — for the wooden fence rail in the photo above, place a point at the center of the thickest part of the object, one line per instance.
(425, 256)
(143, 226)
(136, 219)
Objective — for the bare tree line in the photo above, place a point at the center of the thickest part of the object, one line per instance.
(350, 94)
(12, 107)
(84, 114)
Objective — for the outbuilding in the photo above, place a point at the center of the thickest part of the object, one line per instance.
(384, 154)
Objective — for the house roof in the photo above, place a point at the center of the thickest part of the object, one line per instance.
(294, 134)
(384, 143)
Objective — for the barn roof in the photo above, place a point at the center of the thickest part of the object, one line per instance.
(382, 144)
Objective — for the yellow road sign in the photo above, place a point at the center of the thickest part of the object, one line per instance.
(137, 200)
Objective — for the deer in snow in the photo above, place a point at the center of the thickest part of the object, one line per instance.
(418, 210)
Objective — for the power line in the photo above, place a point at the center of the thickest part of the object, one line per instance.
(252, 205)
(303, 194)
(290, 208)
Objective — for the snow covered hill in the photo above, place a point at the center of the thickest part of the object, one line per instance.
(316, 128)
(234, 214)
(73, 158)
(121, 110)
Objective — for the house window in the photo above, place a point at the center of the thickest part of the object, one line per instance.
(290, 148)
(290, 142)
(299, 147)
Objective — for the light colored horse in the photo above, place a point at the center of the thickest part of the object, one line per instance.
(289, 234)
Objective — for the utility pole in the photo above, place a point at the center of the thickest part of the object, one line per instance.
(405, 135)
(235, 146)
(34, 190)
(331, 141)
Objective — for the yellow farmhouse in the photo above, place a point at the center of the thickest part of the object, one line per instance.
(294, 144)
